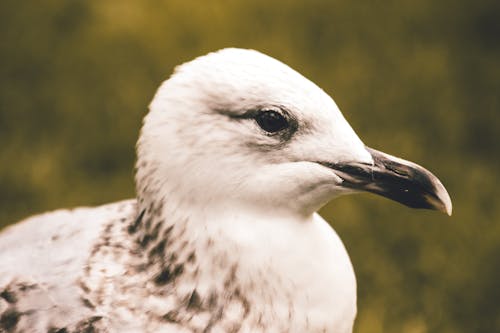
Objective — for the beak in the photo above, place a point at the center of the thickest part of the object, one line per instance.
(396, 179)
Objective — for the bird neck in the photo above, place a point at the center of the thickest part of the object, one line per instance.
(234, 262)
(172, 235)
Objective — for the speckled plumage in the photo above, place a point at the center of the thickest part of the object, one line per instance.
(223, 235)
(134, 278)
(140, 275)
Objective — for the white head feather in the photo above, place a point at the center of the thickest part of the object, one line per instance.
(204, 150)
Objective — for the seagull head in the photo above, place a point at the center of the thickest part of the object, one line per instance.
(239, 128)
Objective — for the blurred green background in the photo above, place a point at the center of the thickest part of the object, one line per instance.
(418, 79)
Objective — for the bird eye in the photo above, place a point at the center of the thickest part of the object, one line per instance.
(271, 121)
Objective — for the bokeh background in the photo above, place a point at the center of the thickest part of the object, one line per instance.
(418, 79)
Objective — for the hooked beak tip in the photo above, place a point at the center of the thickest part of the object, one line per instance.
(443, 200)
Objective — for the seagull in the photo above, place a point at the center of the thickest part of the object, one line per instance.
(235, 157)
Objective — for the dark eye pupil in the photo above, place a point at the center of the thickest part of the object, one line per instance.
(271, 121)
